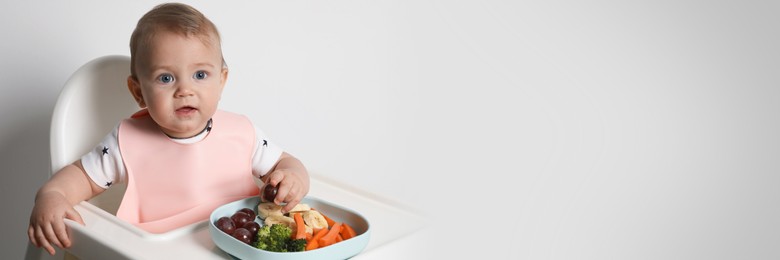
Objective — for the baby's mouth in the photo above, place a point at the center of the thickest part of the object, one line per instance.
(186, 110)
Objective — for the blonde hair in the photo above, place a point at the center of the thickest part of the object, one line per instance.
(172, 17)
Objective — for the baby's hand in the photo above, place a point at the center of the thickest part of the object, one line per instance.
(292, 187)
(47, 225)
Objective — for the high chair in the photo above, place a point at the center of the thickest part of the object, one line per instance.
(91, 104)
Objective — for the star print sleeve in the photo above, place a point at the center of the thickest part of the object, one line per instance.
(103, 164)
(266, 154)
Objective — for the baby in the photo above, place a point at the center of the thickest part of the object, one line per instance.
(180, 156)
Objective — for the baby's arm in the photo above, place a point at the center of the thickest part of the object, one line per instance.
(292, 180)
(54, 202)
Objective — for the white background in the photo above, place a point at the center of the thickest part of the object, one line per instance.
(548, 130)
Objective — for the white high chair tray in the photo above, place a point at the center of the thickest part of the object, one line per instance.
(107, 237)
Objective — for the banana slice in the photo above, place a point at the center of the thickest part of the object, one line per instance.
(267, 209)
(314, 219)
(308, 228)
(279, 219)
(301, 207)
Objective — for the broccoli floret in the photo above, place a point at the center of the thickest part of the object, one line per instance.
(280, 232)
(263, 237)
(276, 238)
(296, 245)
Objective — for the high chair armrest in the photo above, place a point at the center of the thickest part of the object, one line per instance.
(88, 244)
(104, 236)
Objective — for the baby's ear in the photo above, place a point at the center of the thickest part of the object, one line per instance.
(224, 75)
(135, 90)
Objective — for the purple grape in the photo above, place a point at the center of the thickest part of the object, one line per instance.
(253, 227)
(249, 212)
(240, 219)
(269, 192)
(243, 235)
(226, 225)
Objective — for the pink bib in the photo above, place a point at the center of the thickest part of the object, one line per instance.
(171, 185)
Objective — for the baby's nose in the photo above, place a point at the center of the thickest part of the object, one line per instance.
(183, 90)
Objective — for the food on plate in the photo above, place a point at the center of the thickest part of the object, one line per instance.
(240, 225)
(243, 235)
(282, 220)
(225, 224)
(303, 228)
(330, 237)
(277, 238)
(300, 207)
(314, 219)
(253, 227)
(249, 212)
(347, 232)
(266, 209)
(338, 232)
(300, 227)
(330, 221)
(296, 245)
(240, 219)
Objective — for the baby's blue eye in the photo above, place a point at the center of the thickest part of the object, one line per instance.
(200, 75)
(165, 78)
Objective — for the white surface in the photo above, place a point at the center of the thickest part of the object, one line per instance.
(604, 129)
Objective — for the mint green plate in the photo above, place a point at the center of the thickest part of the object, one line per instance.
(341, 250)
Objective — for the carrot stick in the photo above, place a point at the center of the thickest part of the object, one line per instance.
(300, 227)
(330, 237)
(347, 232)
(311, 245)
(313, 242)
(320, 233)
(339, 238)
(329, 220)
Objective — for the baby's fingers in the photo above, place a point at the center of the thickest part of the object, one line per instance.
(290, 205)
(61, 234)
(281, 192)
(74, 215)
(42, 242)
(60, 229)
(289, 194)
(31, 235)
(275, 178)
(51, 234)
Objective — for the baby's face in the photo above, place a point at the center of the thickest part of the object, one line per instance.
(180, 81)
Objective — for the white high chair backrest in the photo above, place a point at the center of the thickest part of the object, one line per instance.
(91, 104)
